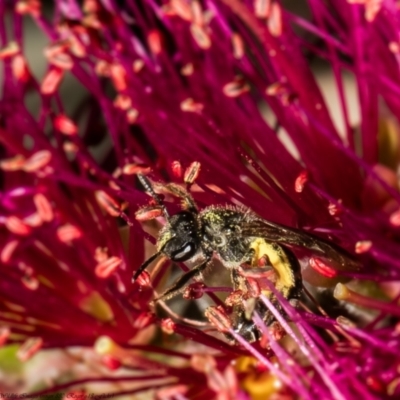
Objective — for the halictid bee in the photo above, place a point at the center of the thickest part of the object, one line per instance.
(251, 248)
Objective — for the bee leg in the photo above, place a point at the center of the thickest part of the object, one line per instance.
(243, 326)
(178, 191)
(179, 284)
(241, 316)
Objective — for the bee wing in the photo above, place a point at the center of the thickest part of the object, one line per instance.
(299, 239)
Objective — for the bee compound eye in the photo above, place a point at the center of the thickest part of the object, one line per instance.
(184, 253)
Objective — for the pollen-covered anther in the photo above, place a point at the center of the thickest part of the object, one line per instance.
(91, 20)
(362, 246)
(180, 8)
(110, 205)
(70, 147)
(234, 298)
(32, 7)
(20, 69)
(137, 65)
(43, 207)
(191, 106)
(218, 317)
(15, 225)
(394, 218)
(394, 47)
(8, 250)
(148, 213)
(11, 50)
(320, 266)
(275, 23)
(171, 392)
(29, 348)
(51, 80)
(13, 164)
(187, 69)
(155, 41)
(276, 89)
(30, 281)
(201, 36)
(372, 8)
(107, 267)
(123, 102)
(276, 331)
(236, 88)
(67, 233)
(118, 77)
(194, 291)
(65, 125)
(37, 161)
(168, 326)
(33, 220)
(262, 8)
(102, 68)
(101, 254)
(192, 172)
(335, 209)
(57, 56)
(76, 47)
(132, 115)
(90, 6)
(133, 169)
(301, 181)
(238, 46)
(176, 168)
(197, 13)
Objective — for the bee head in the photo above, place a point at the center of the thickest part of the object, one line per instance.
(179, 239)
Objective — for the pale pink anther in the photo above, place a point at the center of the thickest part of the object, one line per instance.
(107, 267)
(51, 80)
(30, 347)
(66, 233)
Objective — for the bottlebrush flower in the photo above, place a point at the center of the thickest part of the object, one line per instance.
(227, 84)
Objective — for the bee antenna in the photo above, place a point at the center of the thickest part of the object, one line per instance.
(148, 188)
(145, 265)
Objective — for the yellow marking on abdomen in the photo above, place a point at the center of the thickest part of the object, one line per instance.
(279, 261)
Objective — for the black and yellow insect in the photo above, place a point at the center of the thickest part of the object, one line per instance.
(246, 244)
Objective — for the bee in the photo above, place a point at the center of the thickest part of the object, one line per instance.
(251, 248)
